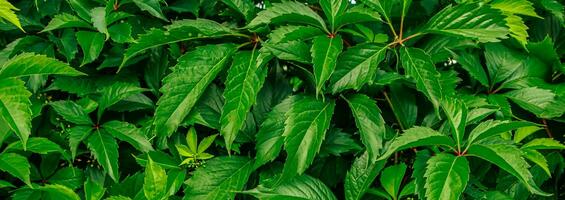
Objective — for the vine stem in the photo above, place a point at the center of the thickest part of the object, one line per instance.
(546, 127)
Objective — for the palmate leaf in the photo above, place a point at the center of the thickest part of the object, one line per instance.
(415, 137)
(270, 138)
(113, 93)
(300, 187)
(475, 21)
(325, 51)
(178, 31)
(305, 128)
(219, 179)
(16, 165)
(27, 64)
(288, 12)
(333, 9)
(65, 20)
(105, 149)
(361, 175)
(15, 107)
(446, 176)
(356, 67)
(245, 78)
(183, 87)
(508, 157)
(370, 123)
(419, 66)
(512, 8)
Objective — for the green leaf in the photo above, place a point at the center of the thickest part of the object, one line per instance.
(71, 112)
(15, 107)
(370, 123)
(493, 127)
(244, 7)
(77, 134)
(91, 44)
(446, 176)
(81, 8)
(105, 149)
(98, 16)
(472, 64)
(7, 13)
(333, 9)
(392, 177)
(205, 143)
(361, 175)
(456, 114)
(507, 157)
(475, 21)
(415, 137)
(356, 67)
(36, 145)
(56, 191)
(223, 176)
(300, 187)
(129, 133)
(93, 190)
(403, 105)
(305, 128)
(533, 99)
(512, 8)
(383, 7)
(69, 177)
(325, 51)
(178, 31)
(192, 140)
(356, 15)
(555, 8)
(16, 165)
(183, 87)
(121, 33)
(27, 64)
(175, 179)
(543, 143)
(152, 7)
(65, 20)
(419, 66)
(419, 166)
(502, 62)
(155, 181)
(523, 132)
(288, 12)
(537, 158)
(245, 78)
(269, 137)
(113, 93)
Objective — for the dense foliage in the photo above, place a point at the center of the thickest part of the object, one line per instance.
(242, 99)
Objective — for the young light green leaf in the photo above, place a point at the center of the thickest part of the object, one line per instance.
(65, 20)
(71, 112)
(419, 66)
(507, 157)
(475, 21)
(300, 187)
(222, 177)
(369, 122)
(446, 176)
(325, 51)
(15, 107)
(129, 133)
(543, 143)
(288, 12)
(98, 16)
(91, 44)
(205, 143)
(7, 13)
(356, 67)
(16, 165)
(245, 78)
(155, 181)
(152, 7)
(105, 150)
(305, 129)
(184, 86)
(415, 137)
(537, 158)
(361, 175)
(27, 64)
(392, 177)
